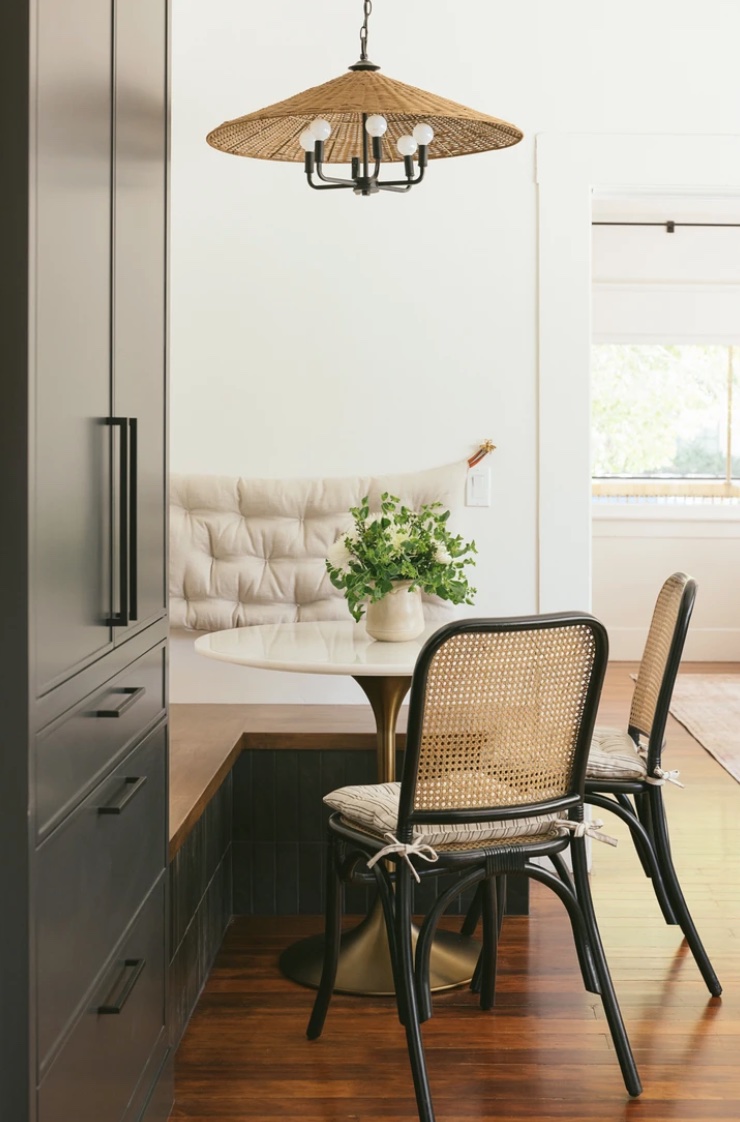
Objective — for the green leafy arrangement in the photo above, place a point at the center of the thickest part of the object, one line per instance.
(399, 544)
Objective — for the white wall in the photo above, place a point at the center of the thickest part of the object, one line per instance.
(327, 334)
(633, 553)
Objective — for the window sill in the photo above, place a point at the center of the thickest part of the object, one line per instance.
(656, 512)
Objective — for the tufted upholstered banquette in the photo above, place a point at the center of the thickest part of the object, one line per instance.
(248, 551)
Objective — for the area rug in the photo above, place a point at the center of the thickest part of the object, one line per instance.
(708, 706)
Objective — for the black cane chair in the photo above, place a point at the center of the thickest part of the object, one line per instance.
(500, 721)
(625, 774)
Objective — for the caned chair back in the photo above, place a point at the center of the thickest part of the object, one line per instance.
(660, 661)
(501, 717)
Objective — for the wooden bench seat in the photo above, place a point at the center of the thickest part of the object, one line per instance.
(206, 740)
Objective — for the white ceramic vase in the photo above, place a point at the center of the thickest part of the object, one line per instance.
(398, 616)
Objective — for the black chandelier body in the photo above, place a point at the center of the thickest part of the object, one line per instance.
(365, 181)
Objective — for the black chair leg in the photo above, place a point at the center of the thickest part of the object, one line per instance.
(473, 913)
(608, 996)
(644, 843)
(501, 900)
(626, 803)
(680, 907)
(489, 952)
(583, 950)
(332, 935)
(471, 921)
(407, 993)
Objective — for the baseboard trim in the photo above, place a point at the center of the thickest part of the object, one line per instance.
(709, 644)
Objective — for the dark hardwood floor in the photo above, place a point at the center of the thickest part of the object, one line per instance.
(544, 1052)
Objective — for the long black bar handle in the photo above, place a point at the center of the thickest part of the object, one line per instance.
(121, 618)
(133, 526)
(136, 965)
(133, 784)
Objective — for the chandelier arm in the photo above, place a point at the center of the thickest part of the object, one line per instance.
(404, 183)
(327, 186)
(332, 178)
(393, 187)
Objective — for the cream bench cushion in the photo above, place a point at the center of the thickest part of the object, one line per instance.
(250, 551)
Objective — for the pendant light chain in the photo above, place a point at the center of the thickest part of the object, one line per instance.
(367, 8)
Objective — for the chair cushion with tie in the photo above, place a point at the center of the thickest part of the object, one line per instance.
(374, 807)
(614, 755)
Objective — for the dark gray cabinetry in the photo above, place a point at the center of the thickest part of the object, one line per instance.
(99, 327)
(70, 220)
(83, 645)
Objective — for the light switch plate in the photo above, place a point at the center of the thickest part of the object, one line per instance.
(478, 491)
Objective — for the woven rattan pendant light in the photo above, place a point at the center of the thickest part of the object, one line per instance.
(363, 119)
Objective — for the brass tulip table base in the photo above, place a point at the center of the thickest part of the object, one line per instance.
(365, 962)
(364, 957)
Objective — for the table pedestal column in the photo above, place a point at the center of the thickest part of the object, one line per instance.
(364, 957)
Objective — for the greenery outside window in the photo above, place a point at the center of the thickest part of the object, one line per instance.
(666, 422)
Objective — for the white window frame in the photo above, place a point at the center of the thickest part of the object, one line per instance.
(569, 167)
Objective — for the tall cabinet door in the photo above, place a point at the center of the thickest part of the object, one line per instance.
(139, 308)
(71, 337)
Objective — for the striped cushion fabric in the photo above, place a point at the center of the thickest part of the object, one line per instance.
(374, 808)
(614, 755)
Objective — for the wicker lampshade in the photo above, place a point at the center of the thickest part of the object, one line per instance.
(272, 133)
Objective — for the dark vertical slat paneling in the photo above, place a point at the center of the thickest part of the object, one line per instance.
(286, 879)
(263, 878)
(263, 816)
(286, 797)
(311, 878)
(241, 864)
(188, 883)
(310, 807)
(332, 767)
(241, 798)
(201, 891)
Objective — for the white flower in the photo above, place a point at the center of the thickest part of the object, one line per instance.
(442, 555)
(397, 537)
(338, 555)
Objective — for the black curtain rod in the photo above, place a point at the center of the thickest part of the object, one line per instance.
(670, 226)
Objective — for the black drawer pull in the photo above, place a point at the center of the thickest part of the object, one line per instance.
(133, 783)
(136, 965)
(132, 695)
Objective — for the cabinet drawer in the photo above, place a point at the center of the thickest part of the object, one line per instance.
(92, 874)
(77, 750)
(96, 1072)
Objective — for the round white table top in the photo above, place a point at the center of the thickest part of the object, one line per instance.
(321, 647)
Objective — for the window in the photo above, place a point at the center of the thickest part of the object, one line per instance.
(666, 421)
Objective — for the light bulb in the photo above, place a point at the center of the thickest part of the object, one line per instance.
(406, 145)
(423, 134)
(307, 140)
(376, 125)
(320, 129)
